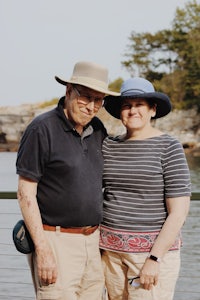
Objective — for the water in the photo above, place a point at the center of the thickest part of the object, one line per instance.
(194, 165)
(15, 279)
(8, 177)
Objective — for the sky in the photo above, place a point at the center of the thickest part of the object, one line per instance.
(44, 38)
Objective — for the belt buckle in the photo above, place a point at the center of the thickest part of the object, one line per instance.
(86, 230)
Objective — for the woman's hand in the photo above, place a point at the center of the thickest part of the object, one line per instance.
(149, 274)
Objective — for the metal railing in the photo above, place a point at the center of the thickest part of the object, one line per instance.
(15, 278)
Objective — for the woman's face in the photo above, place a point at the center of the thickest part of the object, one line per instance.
(137, 113)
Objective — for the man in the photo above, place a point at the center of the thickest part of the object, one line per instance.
(60, 165)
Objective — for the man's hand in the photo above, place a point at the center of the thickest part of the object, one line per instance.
(46, 265)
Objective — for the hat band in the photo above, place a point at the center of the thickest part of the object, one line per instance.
(89, 81)
(133, 92)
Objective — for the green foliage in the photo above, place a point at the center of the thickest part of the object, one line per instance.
(49, 103)
(170, 58)
(116, 85)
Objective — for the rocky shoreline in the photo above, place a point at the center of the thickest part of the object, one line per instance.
(9, 147)
(184, 125)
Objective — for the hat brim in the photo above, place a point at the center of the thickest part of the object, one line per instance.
(163, 105)
(88, 84)
(22, 239)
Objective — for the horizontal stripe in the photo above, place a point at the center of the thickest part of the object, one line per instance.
(138, 176)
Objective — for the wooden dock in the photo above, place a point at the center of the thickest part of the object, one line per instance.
(15, 279)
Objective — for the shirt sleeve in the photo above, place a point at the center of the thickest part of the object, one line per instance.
(32, 153)
(175, 171)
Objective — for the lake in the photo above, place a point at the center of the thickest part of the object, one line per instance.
(8, 177)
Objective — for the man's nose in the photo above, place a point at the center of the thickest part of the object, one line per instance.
(90, 105)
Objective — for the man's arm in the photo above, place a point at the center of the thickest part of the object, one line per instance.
(46, 265)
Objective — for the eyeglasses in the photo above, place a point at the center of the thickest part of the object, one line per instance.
(86, 99)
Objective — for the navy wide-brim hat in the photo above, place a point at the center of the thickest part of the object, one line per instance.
(138, 87)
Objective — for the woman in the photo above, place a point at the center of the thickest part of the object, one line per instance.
(146, 198)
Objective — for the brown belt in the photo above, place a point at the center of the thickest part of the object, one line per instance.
(84, 230)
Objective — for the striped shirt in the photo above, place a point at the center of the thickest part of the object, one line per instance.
(138, 176)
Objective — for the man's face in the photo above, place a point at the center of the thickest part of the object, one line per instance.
(82, 104)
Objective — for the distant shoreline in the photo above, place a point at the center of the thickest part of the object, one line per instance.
(9, 147)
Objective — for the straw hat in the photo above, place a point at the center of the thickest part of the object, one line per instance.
(91, 75)
(138, 87)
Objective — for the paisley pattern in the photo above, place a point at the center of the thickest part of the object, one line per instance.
(130, 242)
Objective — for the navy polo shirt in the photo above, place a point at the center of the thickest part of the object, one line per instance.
(67, 167)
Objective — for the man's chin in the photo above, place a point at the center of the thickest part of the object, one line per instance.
(84, 121)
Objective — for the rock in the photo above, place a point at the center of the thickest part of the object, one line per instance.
(184, 125)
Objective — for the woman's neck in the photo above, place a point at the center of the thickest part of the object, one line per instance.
(142, 134)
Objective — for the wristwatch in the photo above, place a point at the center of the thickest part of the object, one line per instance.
(155, 258)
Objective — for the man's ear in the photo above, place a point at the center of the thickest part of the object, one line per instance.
(68, 90)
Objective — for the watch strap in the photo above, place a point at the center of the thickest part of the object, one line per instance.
(155, 258)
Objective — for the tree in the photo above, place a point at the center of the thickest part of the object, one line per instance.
(116, 85)
(170, 58)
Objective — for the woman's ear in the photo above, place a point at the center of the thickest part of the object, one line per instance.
(153, 114)
(154, 110)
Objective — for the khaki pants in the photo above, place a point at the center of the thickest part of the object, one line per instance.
(119, 267)
(80, 274)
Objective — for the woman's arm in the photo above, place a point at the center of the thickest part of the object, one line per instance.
(177, 209)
